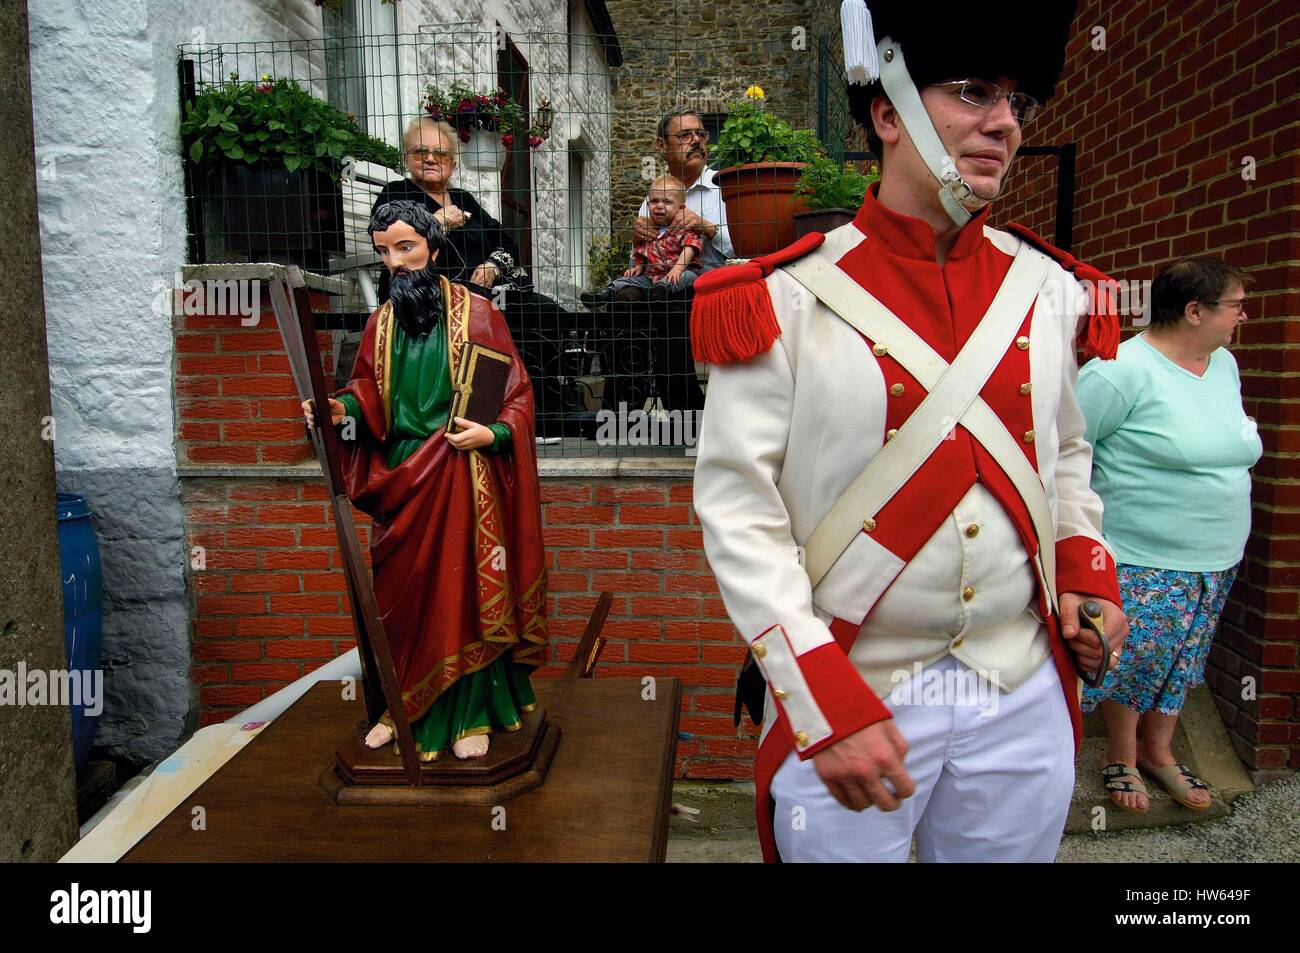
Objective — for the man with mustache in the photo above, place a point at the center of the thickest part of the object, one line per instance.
(892, 477)
(683, 143)
(456, 541)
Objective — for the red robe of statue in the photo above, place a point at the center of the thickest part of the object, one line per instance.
(456, 544)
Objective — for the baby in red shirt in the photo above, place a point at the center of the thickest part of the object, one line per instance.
(663, 266)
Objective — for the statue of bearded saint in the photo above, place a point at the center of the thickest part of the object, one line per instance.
(456, 541)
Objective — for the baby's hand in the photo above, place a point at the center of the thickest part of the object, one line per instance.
(674, 274)
(632, 272)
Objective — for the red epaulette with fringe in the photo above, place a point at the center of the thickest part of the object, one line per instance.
(1101, 337)
(731, 316)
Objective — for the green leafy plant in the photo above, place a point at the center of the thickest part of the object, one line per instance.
(465, 110)
(607, 259)
(277, 122)
(828, 184)
(752, 134)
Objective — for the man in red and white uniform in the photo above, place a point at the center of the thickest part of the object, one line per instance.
(858, 754)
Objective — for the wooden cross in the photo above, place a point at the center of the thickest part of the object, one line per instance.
(292, 306)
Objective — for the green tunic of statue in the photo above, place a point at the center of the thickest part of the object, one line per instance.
(494, 697)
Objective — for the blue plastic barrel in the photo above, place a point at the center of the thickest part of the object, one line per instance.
(82, 614)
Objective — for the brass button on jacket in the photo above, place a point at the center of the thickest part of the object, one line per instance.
(869, 525)
(973, 530)
(1022, 342)
(896, 390)
(879, 350)
(801, 739)
(1029, 436)
(968, 593)
(1025, 389)
(760, 651)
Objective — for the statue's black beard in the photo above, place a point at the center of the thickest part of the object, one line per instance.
(417, 300)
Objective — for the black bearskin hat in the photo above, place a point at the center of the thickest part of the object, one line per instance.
(1022, 39)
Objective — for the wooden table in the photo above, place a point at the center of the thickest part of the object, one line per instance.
(607, 797)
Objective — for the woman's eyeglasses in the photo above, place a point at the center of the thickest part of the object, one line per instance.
(985, 96)
(1236, 304)
(424, 152)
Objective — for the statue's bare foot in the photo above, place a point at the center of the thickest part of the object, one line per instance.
(379, 736)
(475, 746)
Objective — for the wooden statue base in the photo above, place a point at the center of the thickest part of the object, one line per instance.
(516, 762)
(606, 798)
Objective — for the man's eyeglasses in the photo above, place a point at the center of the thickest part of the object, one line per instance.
(1236, 304)
(985, 96)
(424, 152)
(686, 135)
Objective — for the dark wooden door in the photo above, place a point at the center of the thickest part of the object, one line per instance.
(517, 176)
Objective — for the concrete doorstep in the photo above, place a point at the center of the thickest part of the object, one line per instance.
(724, 828)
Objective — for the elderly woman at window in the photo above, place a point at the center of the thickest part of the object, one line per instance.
(479, 252)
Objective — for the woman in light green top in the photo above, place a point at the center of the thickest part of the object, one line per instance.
(1172, 451)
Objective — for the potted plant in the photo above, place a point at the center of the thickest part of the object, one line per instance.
(269, 157)
(761, 158)
(833, 193)
(487, 125)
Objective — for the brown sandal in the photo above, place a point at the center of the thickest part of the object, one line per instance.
(1171, 778)
(1111, 776)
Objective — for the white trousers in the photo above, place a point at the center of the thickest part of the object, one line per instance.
(994, 774)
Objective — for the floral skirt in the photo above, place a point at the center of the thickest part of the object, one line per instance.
(1172, 616)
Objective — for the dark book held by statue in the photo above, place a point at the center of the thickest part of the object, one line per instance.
(480, 387)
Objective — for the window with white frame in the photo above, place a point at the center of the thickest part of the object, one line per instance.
(577, 219)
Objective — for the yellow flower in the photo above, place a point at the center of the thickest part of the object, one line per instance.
(754, 92)
(266, 77)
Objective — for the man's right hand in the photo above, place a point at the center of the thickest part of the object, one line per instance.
(854, 768)
(644, 230)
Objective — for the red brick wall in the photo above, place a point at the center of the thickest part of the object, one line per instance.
(1163, 118)
(235, 397)
(269, 607)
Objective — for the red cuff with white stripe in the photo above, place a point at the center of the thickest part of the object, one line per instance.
(820, 694)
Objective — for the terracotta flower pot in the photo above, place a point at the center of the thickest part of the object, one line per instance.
(761, 205)
(821, 220)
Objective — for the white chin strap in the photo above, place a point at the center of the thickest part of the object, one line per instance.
(864, 60)
(954, 194)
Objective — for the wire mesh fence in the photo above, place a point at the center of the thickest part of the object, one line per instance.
(561, 167)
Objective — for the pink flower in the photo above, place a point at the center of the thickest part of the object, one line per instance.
(534, 141)
(264, 87)
(508, 140)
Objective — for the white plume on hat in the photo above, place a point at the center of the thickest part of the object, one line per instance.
(860, 59)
